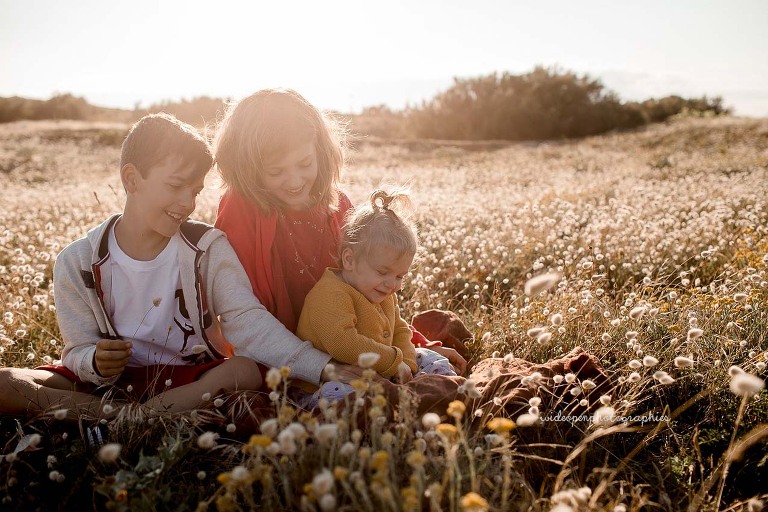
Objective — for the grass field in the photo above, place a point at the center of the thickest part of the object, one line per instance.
(661, 239)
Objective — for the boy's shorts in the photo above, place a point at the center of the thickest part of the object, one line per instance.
(144, 381)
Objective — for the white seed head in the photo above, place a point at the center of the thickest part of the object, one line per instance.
(540, 283)
(604, 416)
(368, 359)
(110, 452)
(746, 384)
(683, 362)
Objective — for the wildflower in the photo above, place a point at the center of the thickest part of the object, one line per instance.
(605, 399)
(501, 426)
(327, 502)
(110, 452)
(347, 449)
(415, 459)
(231, 428)
(534, 410)
(637, 313)
(558, 379)
(473, 502)
(379, 460)
(274, 396)
(604, 416)
(570, 378)
(54, 476)
(746, 384)
(205, 397)
(327, 432)
(606, 337)
(734, 370)
(201, 475)
(322, 483)
(259, 441)
(527, 420)
(683, 362)
(218, 402)
(635, 364)
(207, 440)
(630, 335)
(156, 302)
(616, 322)
(535, 331)
(534, 401)
(633, 377)
(486, 337)
(575, 391)
(273, 378)
(694, 334)
(456, 409)
(168, 382)
(588, 384)
(60, 414)
(447, 430)
(544, 337)
(367, 359)
(650, 361)
(508, 358)
(430, 420)
(540, 283)
(740, 297)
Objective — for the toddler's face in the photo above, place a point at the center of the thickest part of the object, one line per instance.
(291, 177)
(378, 276)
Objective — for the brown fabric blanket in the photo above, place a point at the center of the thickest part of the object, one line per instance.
(513, 384)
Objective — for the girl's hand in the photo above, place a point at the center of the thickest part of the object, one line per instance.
(458, 362)
(404, 374)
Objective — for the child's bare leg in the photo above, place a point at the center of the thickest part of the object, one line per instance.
(23, 391)
(235, 374)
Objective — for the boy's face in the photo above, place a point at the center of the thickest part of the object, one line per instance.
(163, 199)
(379, 275)
(290, 177)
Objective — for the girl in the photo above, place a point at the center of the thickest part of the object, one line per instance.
(353, 309)
(280, 159)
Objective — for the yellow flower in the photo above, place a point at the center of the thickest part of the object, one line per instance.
(379, 460)
(273, 378)
(285, 371)
(340, 473)
(260, 441)
(224, 478)
(359, 385)
(473, 502)
(447, 430)
(501, 425)
(456, 409)
(416, 459)
(379, 401)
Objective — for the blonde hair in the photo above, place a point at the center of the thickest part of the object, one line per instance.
(385, 220)
(156, 137)
(267, 124)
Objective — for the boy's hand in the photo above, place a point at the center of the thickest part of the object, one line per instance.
(111, 357)
(458, 362)
(404, 374)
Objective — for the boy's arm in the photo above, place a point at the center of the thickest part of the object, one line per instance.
(77, 322)
(248, 326)
(332, 322)
(402, 339)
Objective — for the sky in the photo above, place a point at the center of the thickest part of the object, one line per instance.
(346, 55)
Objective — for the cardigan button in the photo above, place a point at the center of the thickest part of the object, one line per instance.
(386, 334)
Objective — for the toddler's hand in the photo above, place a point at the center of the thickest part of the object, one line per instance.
(404, 374)
(111, 357)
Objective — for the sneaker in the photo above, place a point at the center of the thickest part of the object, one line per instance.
(94, 435)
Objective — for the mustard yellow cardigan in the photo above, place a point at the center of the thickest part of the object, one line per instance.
(339, 320)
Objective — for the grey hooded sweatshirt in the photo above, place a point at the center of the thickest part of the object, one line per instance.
(217, 294)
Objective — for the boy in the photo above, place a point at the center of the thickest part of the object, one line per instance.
(144, 302)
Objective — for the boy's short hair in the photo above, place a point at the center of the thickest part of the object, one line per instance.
(156, 137)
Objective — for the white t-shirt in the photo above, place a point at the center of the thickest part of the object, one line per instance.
(147, 306)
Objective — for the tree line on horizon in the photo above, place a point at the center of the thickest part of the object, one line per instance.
(546, 103)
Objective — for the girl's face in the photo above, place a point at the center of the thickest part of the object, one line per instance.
(379, 275)
(291, 176)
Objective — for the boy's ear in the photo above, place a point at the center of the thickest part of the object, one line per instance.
(130, 176)
(347, 256)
